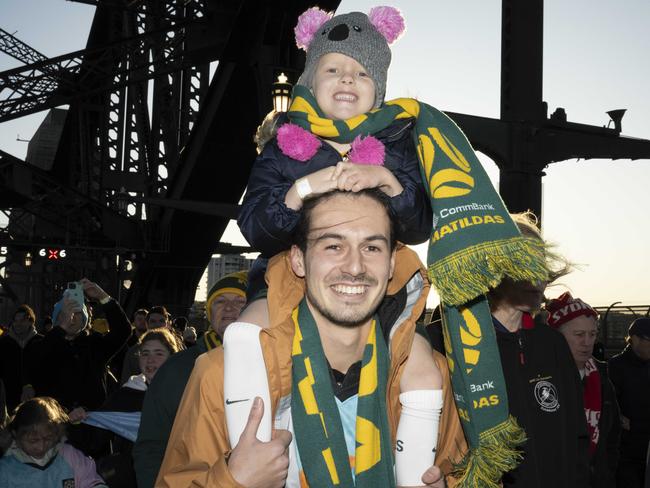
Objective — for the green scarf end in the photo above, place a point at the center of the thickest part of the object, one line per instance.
(497, 453)
(473, 271)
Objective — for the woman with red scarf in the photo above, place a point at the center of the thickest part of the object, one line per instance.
(578, 323)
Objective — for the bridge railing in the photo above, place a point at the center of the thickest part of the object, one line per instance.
(615, 319)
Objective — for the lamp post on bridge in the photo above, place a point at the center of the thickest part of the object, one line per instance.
(281, 92)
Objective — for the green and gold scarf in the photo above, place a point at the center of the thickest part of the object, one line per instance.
(211, 339)
(474, 244)
(316, 419)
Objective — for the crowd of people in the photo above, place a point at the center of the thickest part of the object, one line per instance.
(60, 399)
(502, 389)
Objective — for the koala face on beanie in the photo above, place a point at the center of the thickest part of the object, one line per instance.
(347, 27)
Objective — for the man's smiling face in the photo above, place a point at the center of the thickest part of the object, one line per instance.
(348, 259)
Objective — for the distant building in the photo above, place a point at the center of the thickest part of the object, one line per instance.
(226, 264)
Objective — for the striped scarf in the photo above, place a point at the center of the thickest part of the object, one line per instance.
(316, 420)
(474, 244)
(211, 339)
(593, 402)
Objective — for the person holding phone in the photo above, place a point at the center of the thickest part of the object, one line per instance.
(70, 313)
(73, 358)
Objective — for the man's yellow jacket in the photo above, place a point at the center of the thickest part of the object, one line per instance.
(198, 446)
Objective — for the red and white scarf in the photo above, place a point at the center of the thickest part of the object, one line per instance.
(593, 401)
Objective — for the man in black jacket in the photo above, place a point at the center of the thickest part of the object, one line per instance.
(74, 358)
(630, 373)
(17, 357)
(139, 327)
(578, 323)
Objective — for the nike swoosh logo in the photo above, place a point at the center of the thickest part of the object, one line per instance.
(230, 402)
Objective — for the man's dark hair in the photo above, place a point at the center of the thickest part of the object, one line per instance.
(159, 309)
(27, 310)
(141, 311)
(301, 233)
(180, 323)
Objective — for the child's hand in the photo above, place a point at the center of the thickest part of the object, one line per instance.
(77, 415)
(356, 177)
(320, 182)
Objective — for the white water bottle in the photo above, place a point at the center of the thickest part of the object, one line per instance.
(244, 378)
(417, 435)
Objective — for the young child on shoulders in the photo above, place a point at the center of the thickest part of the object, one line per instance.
(327, 142)
(38, 455)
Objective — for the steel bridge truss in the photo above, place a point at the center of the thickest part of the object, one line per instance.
(134, 95)
(124, 95)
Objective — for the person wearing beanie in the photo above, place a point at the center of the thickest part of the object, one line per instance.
(346, 68)
(630, 374)
(73, 359)
(578, 323)
(225, 300)
(78, 320)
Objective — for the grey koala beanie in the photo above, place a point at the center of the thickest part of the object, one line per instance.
(355, 36)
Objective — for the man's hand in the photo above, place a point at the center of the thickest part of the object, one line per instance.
(256, 464)
(68, 309)
(433, 478)
(93, 290)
